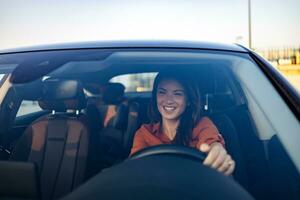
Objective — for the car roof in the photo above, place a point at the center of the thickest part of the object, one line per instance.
(132, 44)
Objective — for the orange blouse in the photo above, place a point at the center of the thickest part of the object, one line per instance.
(150, 135)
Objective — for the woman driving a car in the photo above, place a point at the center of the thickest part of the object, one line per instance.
(175, 112)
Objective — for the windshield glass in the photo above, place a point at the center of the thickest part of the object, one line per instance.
(112, 88)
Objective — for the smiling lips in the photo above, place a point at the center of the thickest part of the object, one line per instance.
(169, 108)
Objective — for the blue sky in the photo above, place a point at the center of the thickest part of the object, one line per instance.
(275, 23)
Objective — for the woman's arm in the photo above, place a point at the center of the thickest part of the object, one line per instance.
(211, 142)
(138, 142)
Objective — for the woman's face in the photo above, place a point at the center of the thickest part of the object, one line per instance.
(171, 99)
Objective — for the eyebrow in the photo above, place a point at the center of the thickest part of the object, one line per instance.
(160, 88)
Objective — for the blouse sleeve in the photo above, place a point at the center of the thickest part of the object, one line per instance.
(207, 132)
(139, 141)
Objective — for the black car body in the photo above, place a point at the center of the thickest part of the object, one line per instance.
(252, 104)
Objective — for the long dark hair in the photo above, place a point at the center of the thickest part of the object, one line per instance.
(192, 114)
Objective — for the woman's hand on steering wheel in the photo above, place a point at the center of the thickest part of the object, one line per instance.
(218, 158)
(214, 155)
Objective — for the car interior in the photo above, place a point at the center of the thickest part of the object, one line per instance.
(86, 120)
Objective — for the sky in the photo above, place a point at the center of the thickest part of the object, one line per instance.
(275, 23)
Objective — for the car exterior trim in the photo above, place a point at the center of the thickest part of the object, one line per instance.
(130, 44)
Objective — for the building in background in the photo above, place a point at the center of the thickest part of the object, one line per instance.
(284, 56)
(287, 61)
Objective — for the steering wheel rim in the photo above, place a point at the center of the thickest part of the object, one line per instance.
(170, 149)
(161, 172)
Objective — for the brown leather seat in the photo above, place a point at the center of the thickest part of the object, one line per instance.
(118, 121)
(58, 143)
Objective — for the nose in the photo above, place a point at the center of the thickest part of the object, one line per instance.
(169, 99)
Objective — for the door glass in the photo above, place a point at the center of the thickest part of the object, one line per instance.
(28, 107)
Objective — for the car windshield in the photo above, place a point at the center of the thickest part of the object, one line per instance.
(250, 114)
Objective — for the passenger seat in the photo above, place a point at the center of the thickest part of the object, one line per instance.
(58, 143)
(118, 119)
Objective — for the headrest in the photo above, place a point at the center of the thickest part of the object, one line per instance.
(61, 95)
(114, 93)
(214, 103)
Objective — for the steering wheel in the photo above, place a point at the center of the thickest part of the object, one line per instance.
(168, 172)
(170, 149)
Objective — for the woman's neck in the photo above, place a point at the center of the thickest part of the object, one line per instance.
(169, 128)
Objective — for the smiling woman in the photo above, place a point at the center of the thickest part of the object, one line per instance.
(175, 110)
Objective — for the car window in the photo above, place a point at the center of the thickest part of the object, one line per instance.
(141, 82)
(2, 76)
(28, 107)
(269, 111)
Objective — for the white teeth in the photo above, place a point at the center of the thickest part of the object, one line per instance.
(169, 108)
